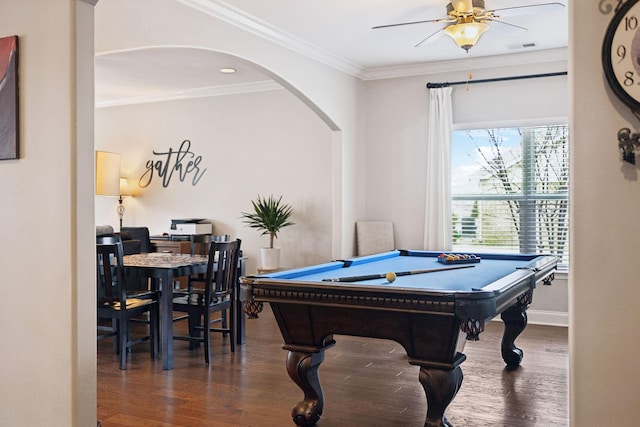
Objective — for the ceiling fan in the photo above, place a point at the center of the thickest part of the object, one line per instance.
(467, 20)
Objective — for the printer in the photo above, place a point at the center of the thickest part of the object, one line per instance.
(190, 226)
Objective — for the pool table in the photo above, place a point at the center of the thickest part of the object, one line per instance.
(430, 314)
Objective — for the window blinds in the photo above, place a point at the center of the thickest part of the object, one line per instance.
(510, 190)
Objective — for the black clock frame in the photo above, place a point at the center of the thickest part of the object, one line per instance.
(628, 142)
(607, 62)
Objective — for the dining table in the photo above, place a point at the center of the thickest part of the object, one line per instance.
(162, 268)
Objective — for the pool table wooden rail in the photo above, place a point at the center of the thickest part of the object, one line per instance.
(478, 305)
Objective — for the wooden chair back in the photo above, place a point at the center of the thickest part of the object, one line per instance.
(112, 287)
(200, 243)
(222, 269)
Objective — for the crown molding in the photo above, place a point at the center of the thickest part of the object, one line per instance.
(483, 62)
(233, 89)
(234, 16)
(541, 56)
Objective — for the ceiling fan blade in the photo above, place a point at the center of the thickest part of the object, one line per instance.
(432, 37)
(507, 28)
(408, 23)
(532, 9)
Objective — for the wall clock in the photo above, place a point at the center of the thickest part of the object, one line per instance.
(621, 63)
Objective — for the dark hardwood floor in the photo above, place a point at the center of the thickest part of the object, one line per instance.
(365, 382)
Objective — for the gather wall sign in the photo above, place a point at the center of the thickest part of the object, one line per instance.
(182, 164)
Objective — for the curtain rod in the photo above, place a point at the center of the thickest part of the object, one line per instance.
(498, 79)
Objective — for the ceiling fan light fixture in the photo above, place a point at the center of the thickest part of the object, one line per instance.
(466, 34)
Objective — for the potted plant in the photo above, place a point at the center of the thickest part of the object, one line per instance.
(269, 216)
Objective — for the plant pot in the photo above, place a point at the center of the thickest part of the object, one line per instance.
(270, 258)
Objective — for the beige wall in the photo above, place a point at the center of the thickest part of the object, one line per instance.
(47, 367)
(260, 143)
(604, 288)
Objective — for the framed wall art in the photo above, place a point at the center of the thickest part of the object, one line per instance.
(9, 142)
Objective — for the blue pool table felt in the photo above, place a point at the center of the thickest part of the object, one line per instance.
(487, 271)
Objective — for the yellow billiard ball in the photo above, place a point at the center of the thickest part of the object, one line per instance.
(391, 276)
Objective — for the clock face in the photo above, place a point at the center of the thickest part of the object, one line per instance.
(621, 54)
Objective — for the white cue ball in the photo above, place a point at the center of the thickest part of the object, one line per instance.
(391, 276)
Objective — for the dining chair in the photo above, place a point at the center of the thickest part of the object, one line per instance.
(200, 242)
(142, 234)
(215, 294)
(200, 245)
(121, 306)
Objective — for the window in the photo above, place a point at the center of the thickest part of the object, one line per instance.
(510, 190)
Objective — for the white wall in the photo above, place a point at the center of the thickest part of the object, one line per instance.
(605, 201)
(396, 133)
(332, 93)
(261, 143)
(47, 362)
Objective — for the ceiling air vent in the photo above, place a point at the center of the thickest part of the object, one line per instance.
(518, 46)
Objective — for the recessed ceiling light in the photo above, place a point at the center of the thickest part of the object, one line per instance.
(227, 70)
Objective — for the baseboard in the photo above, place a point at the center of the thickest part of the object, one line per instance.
(545, 318)
(548, 318)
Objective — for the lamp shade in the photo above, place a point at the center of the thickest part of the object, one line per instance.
(107, 173)
(466, 34)
(124, 187)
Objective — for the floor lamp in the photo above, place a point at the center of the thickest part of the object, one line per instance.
(123, 192)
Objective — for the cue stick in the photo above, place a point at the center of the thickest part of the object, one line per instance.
(399, 273)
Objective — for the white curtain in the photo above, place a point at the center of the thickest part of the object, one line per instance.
(437, 222)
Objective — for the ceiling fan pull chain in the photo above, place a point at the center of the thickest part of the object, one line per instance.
(469, 74)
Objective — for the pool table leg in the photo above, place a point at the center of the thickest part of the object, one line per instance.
(302, 367)
(515, 321)
(440, 386)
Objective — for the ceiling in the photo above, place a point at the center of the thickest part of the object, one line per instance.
(337, 32)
